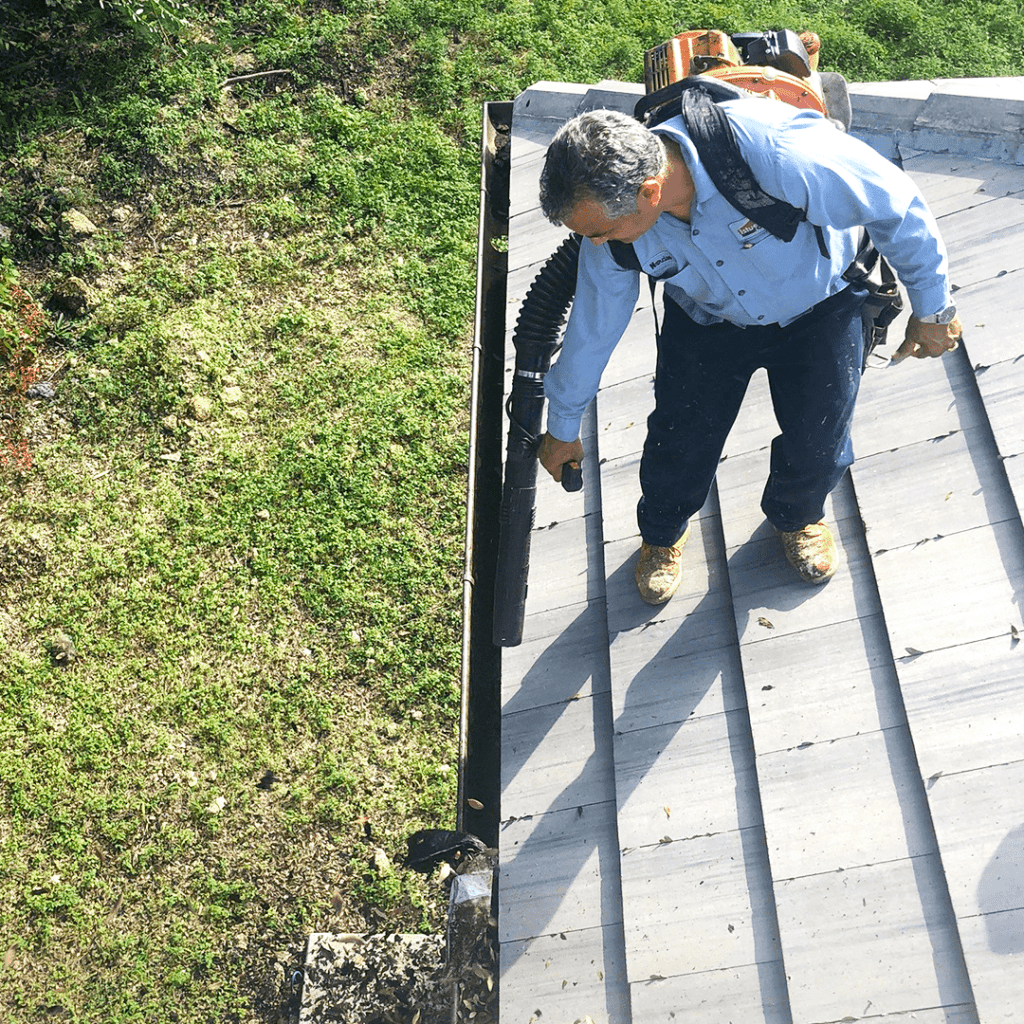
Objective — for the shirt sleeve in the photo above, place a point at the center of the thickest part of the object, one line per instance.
(606, 296)
(842, 182)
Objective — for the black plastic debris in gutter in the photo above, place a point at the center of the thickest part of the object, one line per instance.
(480, 725)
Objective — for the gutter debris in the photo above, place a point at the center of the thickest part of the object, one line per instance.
(412, 979)
(391, 979)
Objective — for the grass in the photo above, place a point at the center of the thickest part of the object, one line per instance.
(245, 504)
(264, 598)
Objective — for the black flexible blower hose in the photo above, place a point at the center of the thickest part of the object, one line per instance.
(536, 340)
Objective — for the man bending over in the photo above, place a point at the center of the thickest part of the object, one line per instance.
(736, 298)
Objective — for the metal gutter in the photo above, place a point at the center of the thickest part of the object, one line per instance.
(479, 726)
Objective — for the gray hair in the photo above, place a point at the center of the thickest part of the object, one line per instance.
(602, 155)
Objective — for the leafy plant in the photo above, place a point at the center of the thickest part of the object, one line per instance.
(150, 20)
(22, 322)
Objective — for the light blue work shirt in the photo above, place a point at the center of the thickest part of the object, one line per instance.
(721, 266)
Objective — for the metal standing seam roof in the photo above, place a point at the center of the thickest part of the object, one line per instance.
(766, 803)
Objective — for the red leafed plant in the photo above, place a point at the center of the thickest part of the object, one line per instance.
(22, 323)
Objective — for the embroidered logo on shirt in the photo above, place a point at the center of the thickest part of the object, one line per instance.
(748, 232)
(662, 264)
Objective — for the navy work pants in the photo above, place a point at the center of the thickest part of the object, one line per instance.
(814, 369)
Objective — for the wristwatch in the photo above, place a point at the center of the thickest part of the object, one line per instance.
(944, 316)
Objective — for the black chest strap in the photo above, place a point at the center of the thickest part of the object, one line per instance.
(697, 99)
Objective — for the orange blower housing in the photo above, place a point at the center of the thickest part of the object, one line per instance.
(778, 65)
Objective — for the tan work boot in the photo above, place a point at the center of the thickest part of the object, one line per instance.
(659, 571)
(812, 552)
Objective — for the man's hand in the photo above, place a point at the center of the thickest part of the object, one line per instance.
(554, 454)
(923, 341)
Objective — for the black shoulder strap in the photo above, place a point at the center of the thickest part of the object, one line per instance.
(719, 152)
(624, 254)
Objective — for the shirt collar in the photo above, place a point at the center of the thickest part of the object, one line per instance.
(703, 186)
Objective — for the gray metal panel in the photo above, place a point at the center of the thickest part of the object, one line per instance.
(622, 423)
(646, 654)
(1002, 391)
(992, 947)
(846, 694)
(545, 625)
(859, 822)
(558, 873)
(561, 977)
(524, 197)
(985, 246)
(948, 556)
(746, 993)
(685, 779)
(558, 846)
(967, 705)
(991, 315)
(531, 241)
(842, 820)
(979, 818)
(958, 478)
(667, 688)
(556, 756)
(912, 401)
(620, 487)
(691, 910)
(1014, 467)
(569, 662)
(971, 585)
(685, 786)
(953, 182)
(560, 562)
(866, 949)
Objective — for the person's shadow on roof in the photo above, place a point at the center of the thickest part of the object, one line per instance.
(1001, 892)
(688, 651)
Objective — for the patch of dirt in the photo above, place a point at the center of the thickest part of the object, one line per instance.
(376, 979)
(400, 979)
(20, 559)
